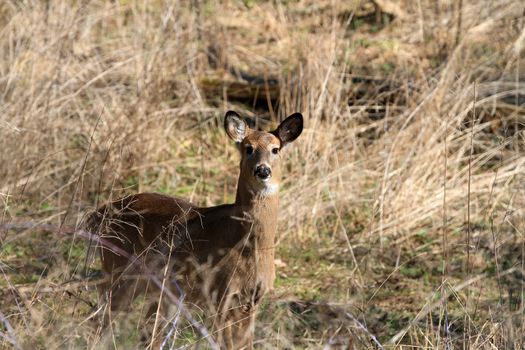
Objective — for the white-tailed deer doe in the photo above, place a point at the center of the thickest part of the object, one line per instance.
(221, 258)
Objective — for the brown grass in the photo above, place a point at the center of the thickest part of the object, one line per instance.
(413, 146)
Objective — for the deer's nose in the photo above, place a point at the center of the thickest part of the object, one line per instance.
(263, 171)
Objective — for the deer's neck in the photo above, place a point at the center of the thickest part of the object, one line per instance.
(259, 229)
(260, 210)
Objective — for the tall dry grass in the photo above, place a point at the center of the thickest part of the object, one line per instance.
(103, 98)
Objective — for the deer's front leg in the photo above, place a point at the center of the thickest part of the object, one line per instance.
(239, 329)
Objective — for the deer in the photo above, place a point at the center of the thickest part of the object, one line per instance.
(221, 258)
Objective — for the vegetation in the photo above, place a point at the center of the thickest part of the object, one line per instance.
(402, 220)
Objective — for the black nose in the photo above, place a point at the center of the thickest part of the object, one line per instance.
(263, 172)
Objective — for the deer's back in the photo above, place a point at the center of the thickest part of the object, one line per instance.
(136, 223)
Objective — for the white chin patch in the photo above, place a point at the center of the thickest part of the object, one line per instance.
(268, 188)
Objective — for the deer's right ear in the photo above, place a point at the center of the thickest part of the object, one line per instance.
(235, 126)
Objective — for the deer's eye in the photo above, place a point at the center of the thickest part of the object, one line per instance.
(275, 150)
(249, 150)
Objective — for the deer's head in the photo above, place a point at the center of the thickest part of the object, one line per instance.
(261, 151)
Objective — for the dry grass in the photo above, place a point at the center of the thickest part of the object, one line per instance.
(403, 202)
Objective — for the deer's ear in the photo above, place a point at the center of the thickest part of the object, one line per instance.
(289, 129)
(235, 126)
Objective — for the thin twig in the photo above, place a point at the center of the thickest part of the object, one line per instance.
(363, 328)
(445, 243)
(458, 24)
(469, 228)
(10, 337)
(172, 328)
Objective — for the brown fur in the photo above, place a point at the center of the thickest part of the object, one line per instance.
(221, 258)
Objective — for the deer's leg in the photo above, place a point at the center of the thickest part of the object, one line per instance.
(236, 331)
(121, 286)
(151, 333)
(242, 328)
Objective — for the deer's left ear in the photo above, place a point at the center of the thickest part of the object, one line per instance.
(289, 129)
